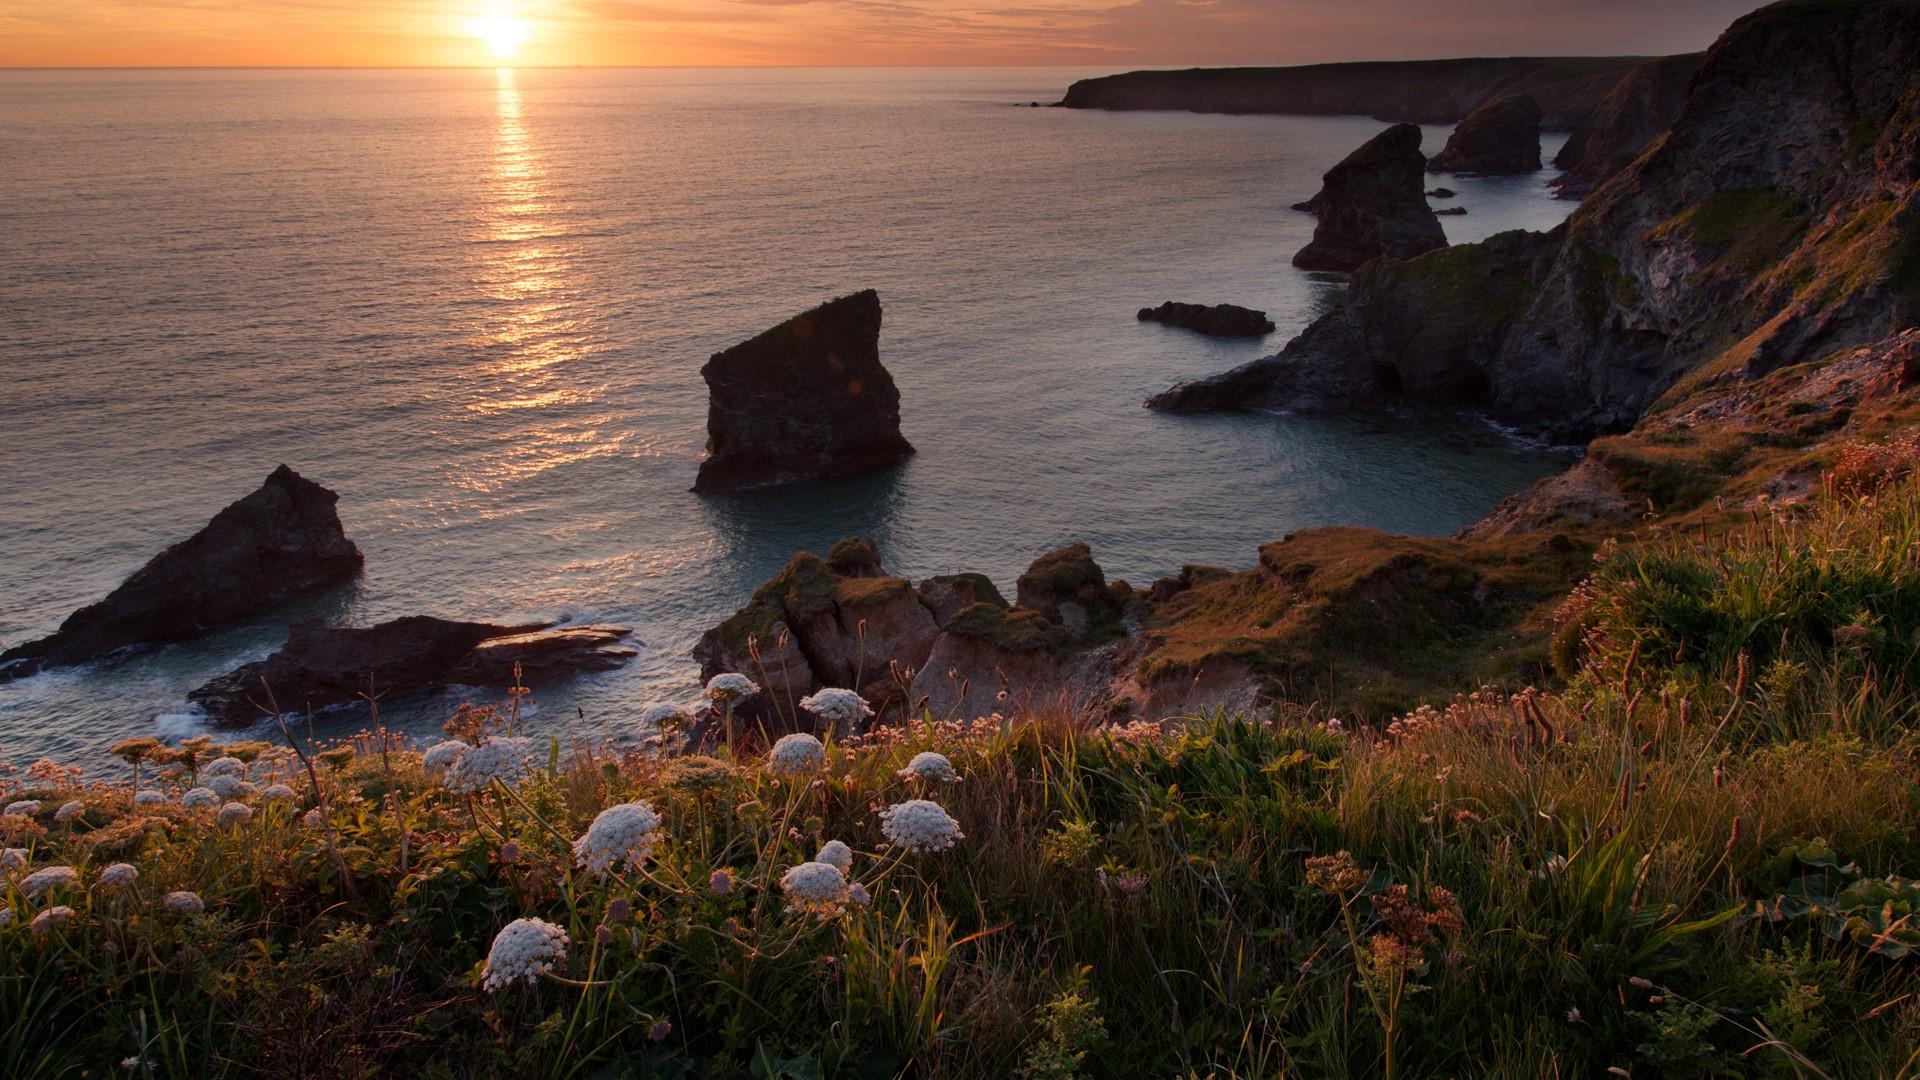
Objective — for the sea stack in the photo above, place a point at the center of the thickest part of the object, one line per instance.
(281, 540)
(1372, 204)
(807, 400)
(1500, 138)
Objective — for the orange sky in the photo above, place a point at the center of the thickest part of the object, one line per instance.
(59, 33)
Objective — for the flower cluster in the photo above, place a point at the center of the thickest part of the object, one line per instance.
(234, 813)
(815, 887)
(660, 718)
(199, 798)
(119, 875)
(931, 767)
(223, 766)
(796, 755)
(508, 759)
(229, 787)
(51, 919)
(13, 858)
(441, 756)
(729, 687)
(836, 854)
(149, 797)
(836, 706)
(69, 811)
(23, 807)
(1335, 874)
(523, 950)
(46, 879)
(278, 793)
(620, 834)
(183, 902)
(920, 825)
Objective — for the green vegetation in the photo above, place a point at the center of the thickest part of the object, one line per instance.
(1011, 629)
(1747, 230)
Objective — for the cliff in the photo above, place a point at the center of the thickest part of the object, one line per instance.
(1639, 109)
(1567, 88)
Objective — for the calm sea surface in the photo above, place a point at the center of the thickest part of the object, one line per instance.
(475, 304)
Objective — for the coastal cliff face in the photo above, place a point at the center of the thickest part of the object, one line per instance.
(1419, 91)
(1634, 113)
(1500, 138)
(1774, 222)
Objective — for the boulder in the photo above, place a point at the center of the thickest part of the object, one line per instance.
(1500, 138)
(1442, 193)
(322, 666)
(806, 400)
(1067, 588)
(1373, 204)
(1218, 320)
(282, 540)
(1452, 211)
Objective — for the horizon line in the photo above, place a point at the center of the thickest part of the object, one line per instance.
(795, 67)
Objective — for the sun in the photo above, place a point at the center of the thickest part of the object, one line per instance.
(504, 33)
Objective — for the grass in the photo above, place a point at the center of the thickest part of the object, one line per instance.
(1695, 857)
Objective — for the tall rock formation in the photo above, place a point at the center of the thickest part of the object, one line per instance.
(1500, 138)
(1634, 113)
(1373, 203)
(282, 540)
(807, 400)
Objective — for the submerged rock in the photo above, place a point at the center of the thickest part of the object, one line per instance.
(282, 540)
(1218, 320)
(1442, 193)
(1500, 138)
(806, 400)
(1373, 203)
(322, 666)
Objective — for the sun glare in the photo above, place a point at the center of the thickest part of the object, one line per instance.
(504, 33)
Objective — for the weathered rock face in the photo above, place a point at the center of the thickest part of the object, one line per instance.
(1373, 203)
(323, 666)
(987, 651)
(806, 400)
(947, 595)
(1500, 138)
(1068, 589)
(1778, 219)
(1218, 320)
(282, 540)
(1634, 113)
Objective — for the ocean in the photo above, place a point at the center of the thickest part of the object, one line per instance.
(475, 303)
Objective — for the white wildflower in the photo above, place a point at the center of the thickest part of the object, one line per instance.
(441, 756)
(836, 854)
(929, 766)
(149, 797)
(199, 798)
(313, 818)
(920, 825)
(524, 949)
(183, 902)
(51, 919)
(235, 813)
(815, 886)
(230, 787)
(46, 879)
(858, 896)
(728, 686)
(837, 706)
(223, 766)
(13, 858)
(119, 875)
(508, 759)
(662, 716)
(279, 793)
(797, 754)
(24, 807)
(68, 811)
(620, 834)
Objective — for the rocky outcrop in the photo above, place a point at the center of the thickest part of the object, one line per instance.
(992, 659)
(1218, 320)
(807, 400)
(1500, 138)
(280, 541)
(1778, 219)
(323, 666)
(1419, 91)
(1372, 204)
(1068, 589)
(1634, 113)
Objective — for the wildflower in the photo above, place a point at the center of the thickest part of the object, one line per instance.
(183, 902)
(524, 949)
(199, 798)
(618, 909)
(661, 718)
(229, 787)
(441, 756)
(603, 935)
(815, 886)
(659, 1031)
(234, 813)
(699, 773)
(51, 919)
(313, 818)
(837, 706)
(920, 825)
(796, 754)
(13, 858)
(149, 797)
(69, 811)
(1573, 1015)
(278, 793)
(930, 767)
(119, 875)
(24, 808)
(728, 687)
(721, 882)
(45, 880)
(624, 833)
(223, 766)
(836, 854)
(507, 759)
(858, 896)
(1335, 874)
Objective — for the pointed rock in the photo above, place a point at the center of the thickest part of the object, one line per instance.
(1373, 203)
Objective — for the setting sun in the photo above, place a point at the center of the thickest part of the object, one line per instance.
(503, 33)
